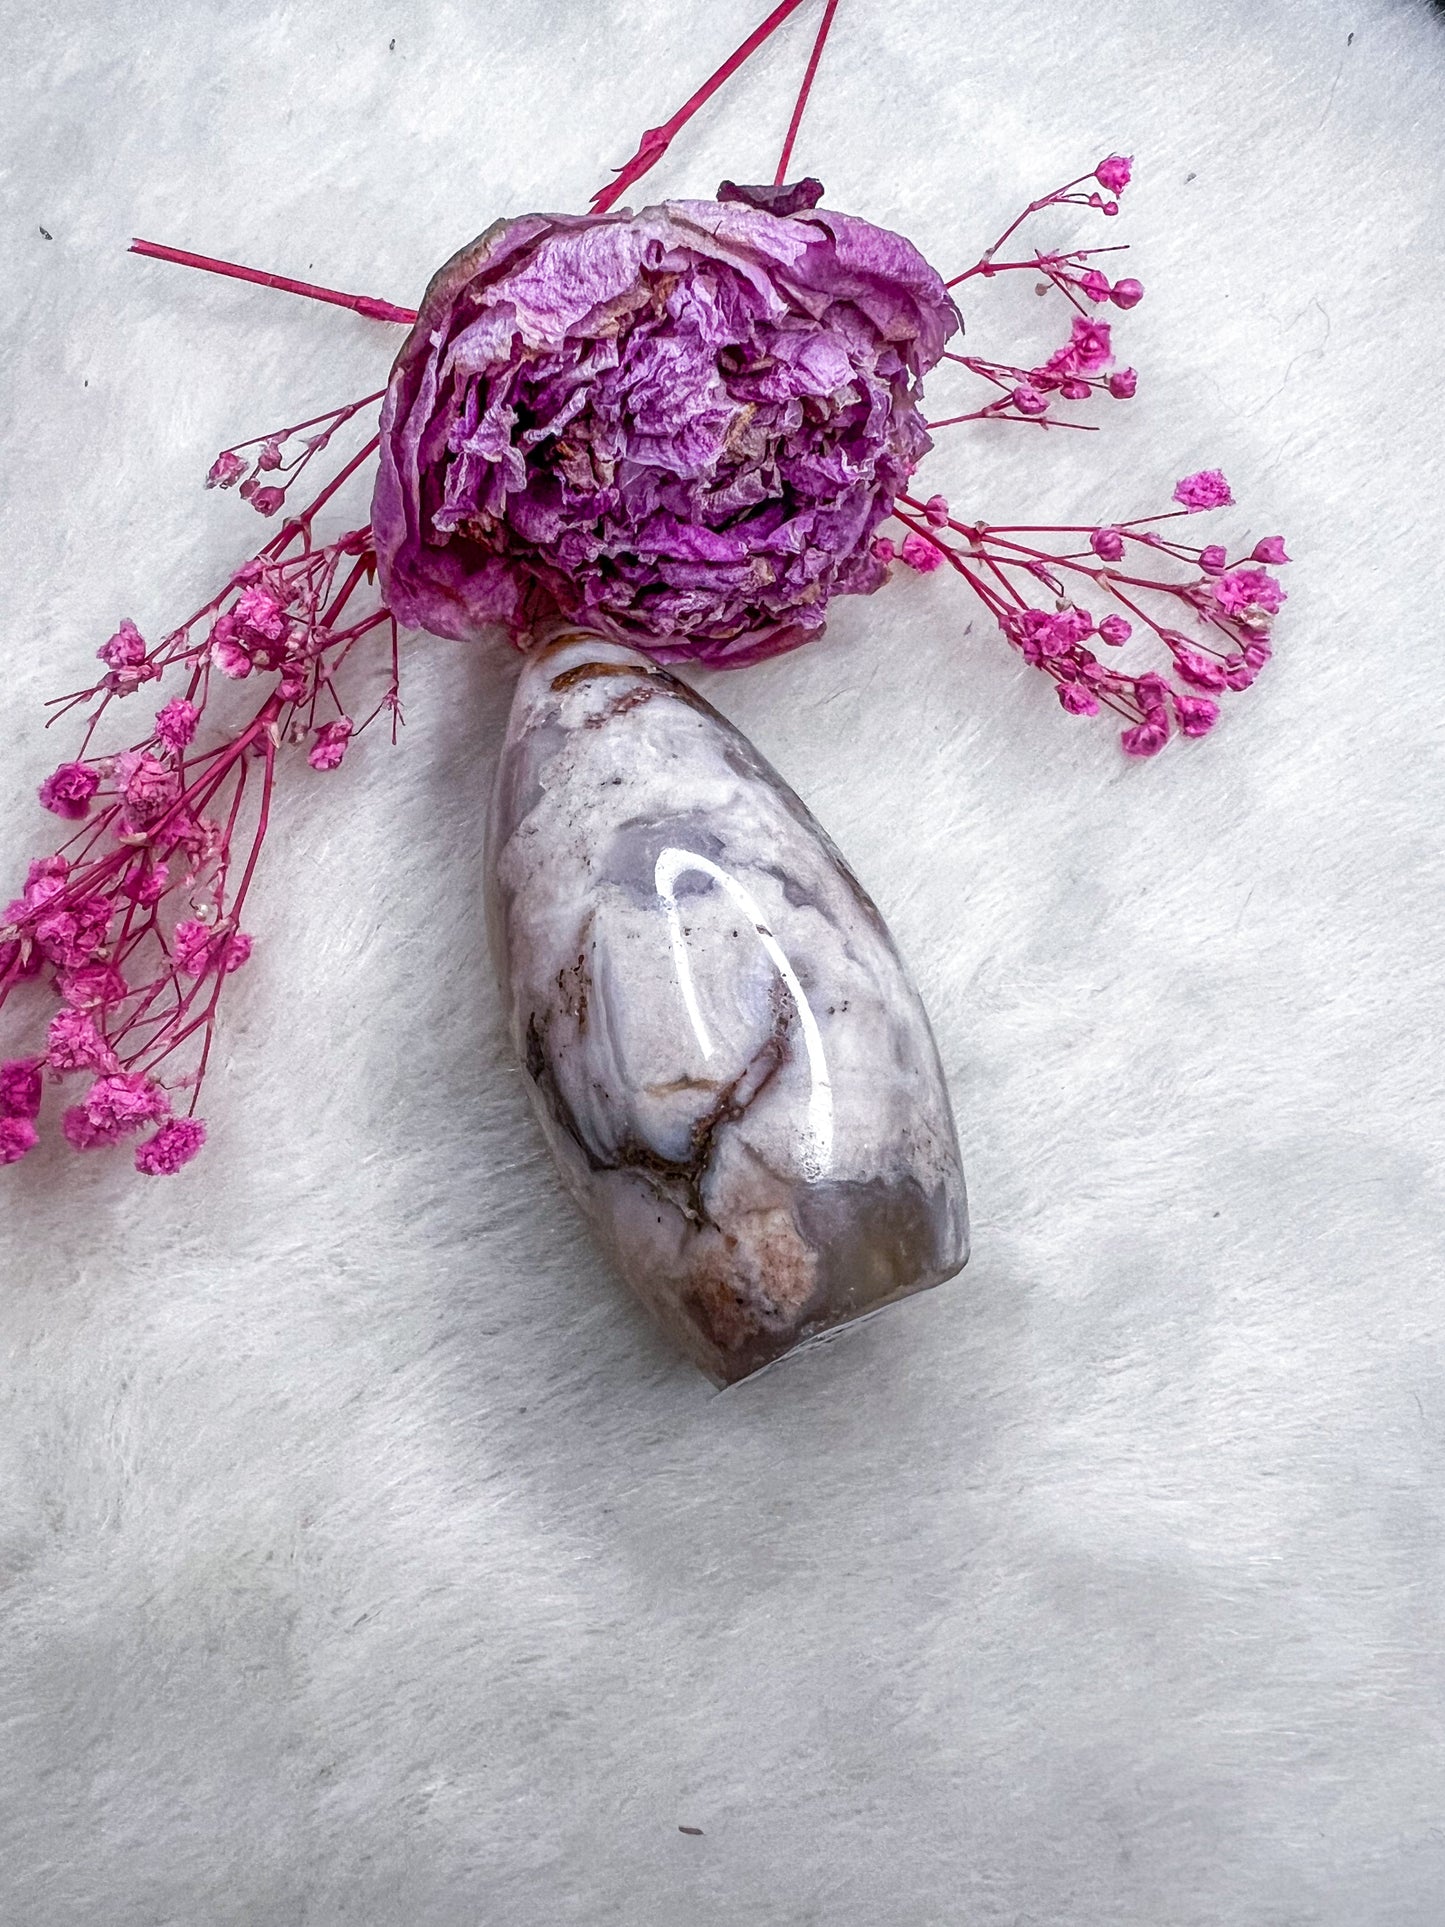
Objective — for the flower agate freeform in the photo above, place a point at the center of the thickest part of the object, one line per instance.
(733, 1070)
(681, 427)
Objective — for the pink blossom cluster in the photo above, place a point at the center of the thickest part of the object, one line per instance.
(134, 924)
(1082, 366)
(1232, 605)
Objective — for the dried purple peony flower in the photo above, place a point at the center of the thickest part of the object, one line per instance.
(682, 427)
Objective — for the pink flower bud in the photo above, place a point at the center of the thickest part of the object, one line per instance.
(68, 790)
(291, 684)
(1152, 692)
(17, 1136)
(230, 658)
(74, 1043)
(259, 610)
(935, 511)
(266, 501)
(1078, 700)
(1127, 293)
(1108, 544)
(123, 1101)
(330, 745)
(1197, 714)
(1201, 670)
(91, 986)
(920, 554)
(1270, 549)
(1122, 384)
(1115, 630)
(1028, 401)
(1213, 560)
(81, 1133)
(20, 1087)
(1075, 390)
(883, 548)
(125, 649)
(1094, 285)
(1145, 739)
(1206, 490)
(270, 456)
(1115, 173)
(1240, 591)
(126, 681)
(174, 1144)
(176, 723)
(226, 470)
(146, 881)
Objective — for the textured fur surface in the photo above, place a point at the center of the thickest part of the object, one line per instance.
(366, 1557)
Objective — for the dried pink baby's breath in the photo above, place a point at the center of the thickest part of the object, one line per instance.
(1231, 609)
(135, 922)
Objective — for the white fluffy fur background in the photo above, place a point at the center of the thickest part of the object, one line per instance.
(365, 1559)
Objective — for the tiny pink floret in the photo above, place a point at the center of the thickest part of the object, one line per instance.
(329, 747)
(1206, 490)
(226, 470)
(920, 554)
(125, 649)
(174, 1144)
(1239, 590)
(17, 1136)
(1115, 173)
(68, 790)
(74, 1043)
(176, 723)
(20, 1087)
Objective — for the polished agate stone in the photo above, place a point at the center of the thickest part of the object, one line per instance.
(731, 1065)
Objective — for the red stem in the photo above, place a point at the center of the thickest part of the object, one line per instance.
(656, 141)
(362, 304)
(804, 91)
(301, 524)
(1034, 207)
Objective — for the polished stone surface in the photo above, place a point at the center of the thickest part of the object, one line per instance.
(731, 1064)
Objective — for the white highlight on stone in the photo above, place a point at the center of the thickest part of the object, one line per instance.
(672, 864)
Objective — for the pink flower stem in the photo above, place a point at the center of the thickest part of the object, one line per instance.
(362, 304)
(205, 1019)
(984, 263)
(995, 412)
(982, 529)
(301, 524)
(338, 416)
(807, 87)
(1041, 262)
(656, 141)
(991, 599)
